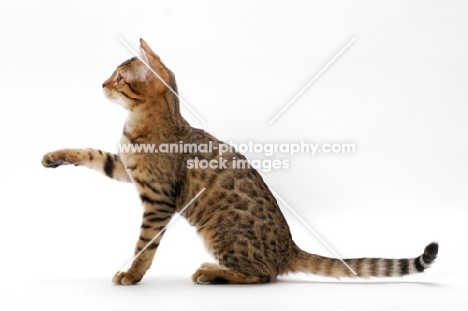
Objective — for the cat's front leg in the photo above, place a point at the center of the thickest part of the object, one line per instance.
(158, 210)
(104, 162)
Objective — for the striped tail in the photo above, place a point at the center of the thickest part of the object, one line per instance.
(364, 267)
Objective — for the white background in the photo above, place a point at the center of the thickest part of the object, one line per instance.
(398, 93)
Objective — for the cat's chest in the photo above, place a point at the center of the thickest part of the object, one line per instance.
(128, 152)
(129, 142)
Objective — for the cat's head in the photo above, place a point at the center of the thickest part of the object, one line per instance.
(132, 82)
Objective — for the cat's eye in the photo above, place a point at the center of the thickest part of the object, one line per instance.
(119, 78)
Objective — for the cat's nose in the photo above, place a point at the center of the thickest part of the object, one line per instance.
(104, 85)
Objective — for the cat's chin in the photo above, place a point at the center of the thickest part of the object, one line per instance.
(107, 93)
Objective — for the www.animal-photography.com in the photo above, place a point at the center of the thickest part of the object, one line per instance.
(256, 155)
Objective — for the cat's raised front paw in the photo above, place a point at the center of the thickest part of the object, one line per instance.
(60, 157)
(127, 278)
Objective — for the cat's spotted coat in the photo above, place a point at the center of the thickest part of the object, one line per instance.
(237, 216)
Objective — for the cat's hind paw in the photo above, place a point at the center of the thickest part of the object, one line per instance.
(226, 276)
(210, 266)
(209, 276)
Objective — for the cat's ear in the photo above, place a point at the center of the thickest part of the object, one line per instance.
(143, 55)
(143, 68)
(153, 60)
(146, 51)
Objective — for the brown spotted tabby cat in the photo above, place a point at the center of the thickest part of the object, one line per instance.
(237, 216)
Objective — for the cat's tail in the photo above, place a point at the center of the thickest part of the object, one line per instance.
(364, 267)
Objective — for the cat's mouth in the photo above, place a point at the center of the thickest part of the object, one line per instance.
(106, 92)
(109, 93)
(113, 96)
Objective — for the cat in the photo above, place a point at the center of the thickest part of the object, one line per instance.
(237, 216)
